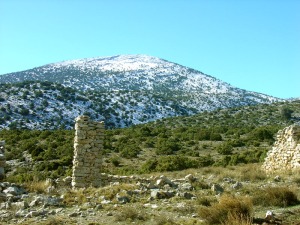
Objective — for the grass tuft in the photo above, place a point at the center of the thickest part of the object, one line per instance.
(39, 187)
(227, 208)
(129, 213)
(275, 196)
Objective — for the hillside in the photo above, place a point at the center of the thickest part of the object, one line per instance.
(224, 137)
(122, 90)
(190, 170)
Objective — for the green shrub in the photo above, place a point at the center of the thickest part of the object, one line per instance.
(115, 161)
(168, 163)
(130, 151)
(166, 146)
(263, 133)
(225, 149)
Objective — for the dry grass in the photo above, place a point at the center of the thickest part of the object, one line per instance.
(53, 220)
(252, 172)
(39, 187)
(275, 196)
(96, 195)
(227, 208)
(236, 219)
(164, 220)
(129, 213)
(73, 197)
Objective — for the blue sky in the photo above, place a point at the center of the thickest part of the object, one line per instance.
(251, 44)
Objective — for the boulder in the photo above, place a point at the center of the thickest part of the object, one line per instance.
(14, 190)
(159, 194)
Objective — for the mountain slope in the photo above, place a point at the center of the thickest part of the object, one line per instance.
(139, 88)
(47, 105)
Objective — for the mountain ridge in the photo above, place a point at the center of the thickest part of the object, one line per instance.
(141, 87)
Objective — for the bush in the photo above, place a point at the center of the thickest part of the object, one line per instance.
(275, 196)
(167, 146)
(263, 134)
(225, 149)
(168, 163)
(131, 151)
(115, 161)
(228, 207)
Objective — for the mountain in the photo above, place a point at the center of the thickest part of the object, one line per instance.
(123, 90)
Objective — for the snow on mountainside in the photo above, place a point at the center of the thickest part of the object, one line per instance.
(124, 90)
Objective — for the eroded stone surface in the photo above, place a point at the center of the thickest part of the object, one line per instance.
(285, 154)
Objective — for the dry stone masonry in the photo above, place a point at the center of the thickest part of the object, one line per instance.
(2, 160)
(285, 154)
(88, 145)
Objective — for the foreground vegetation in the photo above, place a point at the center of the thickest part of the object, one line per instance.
(219, 147)
(245, 205)
(220, 138)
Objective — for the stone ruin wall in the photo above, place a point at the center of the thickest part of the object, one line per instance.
(88, 145)
(285, 154)
(2, 160)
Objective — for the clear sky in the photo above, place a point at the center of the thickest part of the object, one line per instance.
(251, 44)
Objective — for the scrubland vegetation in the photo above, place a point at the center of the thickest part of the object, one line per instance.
(219, 138)
(228, 144)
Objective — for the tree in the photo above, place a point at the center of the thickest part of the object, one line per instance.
(286, 113)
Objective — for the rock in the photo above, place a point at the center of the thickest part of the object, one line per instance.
(158, 194)
(87, 205)
(269, 216)
(58, 210)
(163, 180)
(190, 178)
(20, 205)
(50, 189)
(152, 185)
(229, 180)
(74, 214)
(217, 189)
(122, 199)
(53, 201)
(277, 179)
(186, 195)
(186, 187)
(52, 212)
(104, 202)
(237, 185)
(37, 201)
(32, 214)
(21, 213)
(13, 190)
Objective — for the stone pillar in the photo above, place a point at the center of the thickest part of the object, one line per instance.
(2, 160)
(88, 145)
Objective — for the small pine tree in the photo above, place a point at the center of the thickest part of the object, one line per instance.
(286, 113)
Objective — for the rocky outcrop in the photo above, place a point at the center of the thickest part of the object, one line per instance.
(285, 154)
(2, 160)
(88, 145)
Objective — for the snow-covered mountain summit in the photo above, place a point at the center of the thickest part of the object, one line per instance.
(141, 88)
(116, 63)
